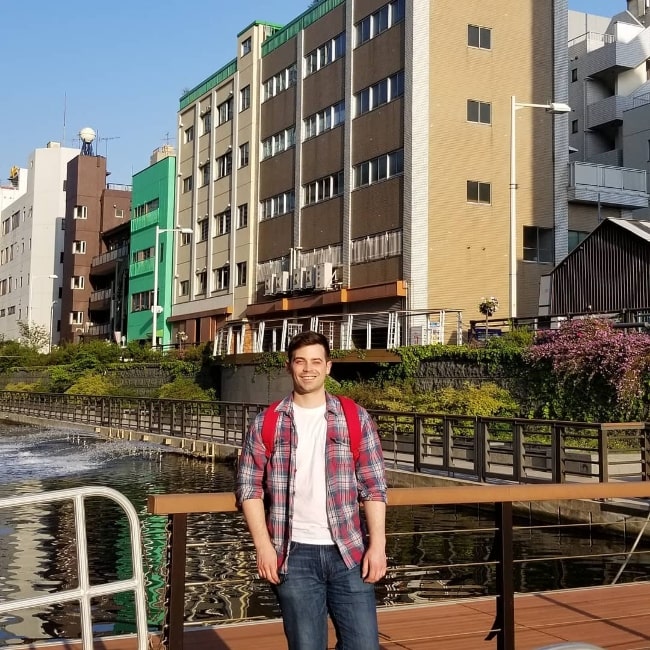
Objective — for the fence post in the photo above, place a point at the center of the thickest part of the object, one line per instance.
(517, 452)
(558, 450)
(480, 448)
(505, 618)
(603, 455)
(175, 583)
(645, 452)
(417, 442)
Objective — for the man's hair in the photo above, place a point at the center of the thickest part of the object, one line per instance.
(307, 338)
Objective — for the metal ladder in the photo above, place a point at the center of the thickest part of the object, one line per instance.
(85, 591)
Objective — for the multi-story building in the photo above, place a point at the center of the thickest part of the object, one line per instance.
(339, 177)
(96, 253)
(31, 243)
(153, 208)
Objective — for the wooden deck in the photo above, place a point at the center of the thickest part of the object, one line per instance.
(614, 618)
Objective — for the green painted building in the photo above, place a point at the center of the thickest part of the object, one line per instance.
(152, 205)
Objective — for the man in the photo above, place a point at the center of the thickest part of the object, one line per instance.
(310, 544)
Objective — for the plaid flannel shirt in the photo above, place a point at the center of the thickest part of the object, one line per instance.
(274, 481)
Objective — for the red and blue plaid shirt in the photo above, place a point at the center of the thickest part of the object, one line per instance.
(274, 481)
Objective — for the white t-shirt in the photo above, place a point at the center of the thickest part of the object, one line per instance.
(310, 524)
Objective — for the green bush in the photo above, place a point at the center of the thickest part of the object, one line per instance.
(24, 387)
(184, 388)
(91, 384)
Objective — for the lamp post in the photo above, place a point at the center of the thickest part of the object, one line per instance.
(30, 310)
(554, 108)
(156, 308)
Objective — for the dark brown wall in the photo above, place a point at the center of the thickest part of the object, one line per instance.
(277, 174)
(327, 27)
(363, 8)
(278, 113)
(376, 272)
(323, 155)
(377, 208)
(275, 237)
(379, 58)
(278, 60)
(324, 88)
(378, 132)
(322, 224)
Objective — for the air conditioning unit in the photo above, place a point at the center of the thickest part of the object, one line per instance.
(298, 275)
(269, 285)
(324, 276)
(282, 281)
(308, 278)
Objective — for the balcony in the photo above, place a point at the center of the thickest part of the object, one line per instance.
(607, 111)
(105, 263)
(607, 185)
(145, 221)
(141, 268)
(100, 299)
(99, 330)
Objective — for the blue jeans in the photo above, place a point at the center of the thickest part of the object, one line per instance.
(317, 583)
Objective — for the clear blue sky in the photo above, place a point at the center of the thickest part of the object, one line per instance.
(113, 66)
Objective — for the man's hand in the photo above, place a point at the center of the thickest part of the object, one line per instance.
(267, 564)
(373, 567)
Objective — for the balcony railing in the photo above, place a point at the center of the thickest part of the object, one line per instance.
(102, 294)
(141, 268)
(119, 186)
(607, 185)
(145, 221)
(590, 41)
(110, 256)
(99, 330)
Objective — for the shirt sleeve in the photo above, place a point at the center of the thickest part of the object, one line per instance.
(371, 471)
(252, 463)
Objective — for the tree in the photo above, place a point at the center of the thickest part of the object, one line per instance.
(33, 336)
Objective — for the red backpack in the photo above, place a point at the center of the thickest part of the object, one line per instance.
(351, 417)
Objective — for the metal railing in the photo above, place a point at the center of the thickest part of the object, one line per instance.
(110, 256)
(477, 448)
(502, 560)
(85, 592)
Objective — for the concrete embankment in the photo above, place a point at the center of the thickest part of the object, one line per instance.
(618, 515)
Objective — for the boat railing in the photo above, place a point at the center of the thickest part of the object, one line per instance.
(503, 498)
(85, 592)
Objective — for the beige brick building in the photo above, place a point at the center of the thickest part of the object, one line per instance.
(350, 172)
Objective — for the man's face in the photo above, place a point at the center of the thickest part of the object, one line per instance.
(308, 369)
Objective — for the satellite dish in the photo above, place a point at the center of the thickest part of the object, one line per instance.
(87, 135)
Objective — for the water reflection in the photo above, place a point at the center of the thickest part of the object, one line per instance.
(38, 551)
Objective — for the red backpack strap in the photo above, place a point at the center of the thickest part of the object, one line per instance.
(351, 413)
(268, 427)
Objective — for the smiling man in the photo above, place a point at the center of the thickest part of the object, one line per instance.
(312, 543)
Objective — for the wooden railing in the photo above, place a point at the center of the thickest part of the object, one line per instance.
(177, 507)
(477, 448)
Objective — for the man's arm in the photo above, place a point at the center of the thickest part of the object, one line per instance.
(267, 558)
(374, 560)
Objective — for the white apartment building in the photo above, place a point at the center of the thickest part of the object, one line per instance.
(31, 245)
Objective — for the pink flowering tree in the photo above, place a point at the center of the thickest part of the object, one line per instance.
(588, 370)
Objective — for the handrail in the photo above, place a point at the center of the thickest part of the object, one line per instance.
(85, 592)
(178, 506)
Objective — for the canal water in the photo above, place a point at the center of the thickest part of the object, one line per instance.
(38, 554)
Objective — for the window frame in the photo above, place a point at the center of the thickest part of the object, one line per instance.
(481, 188)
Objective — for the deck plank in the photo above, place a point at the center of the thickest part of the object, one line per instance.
(614, 618)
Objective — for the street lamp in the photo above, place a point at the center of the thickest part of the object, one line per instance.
(30, 309)
(156, 308)
(554, 108)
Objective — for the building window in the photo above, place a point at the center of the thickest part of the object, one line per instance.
(574, 74)
(325, 120)
(222, 222)
(277, 205)
(203, 229)
(576, 237)
(188, 135)
(574, 126)
(186, 238)
(188, 183)
(76, 318)
(119, 213)
(144, 254)
(244, 98)
(224, 165)
(146, 208)
(205, 174)
(380, 21)
(376, 247)
(206, 123)
(78, 247)
(142, 301)
(480, 112)
(15, 220)
(184, 288)
(478, 192)
(224, 112)
(480, 37)
(201, 282)
(241, 273)
(242, 215)
(380, 93)
(279, 142)
(243, 155)
(222, 278)
(378, 169)
(327, 53)
(324, 188)
(77, 282)
(246, 46)
(281, 81)
(538, 244)
(80, 212)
